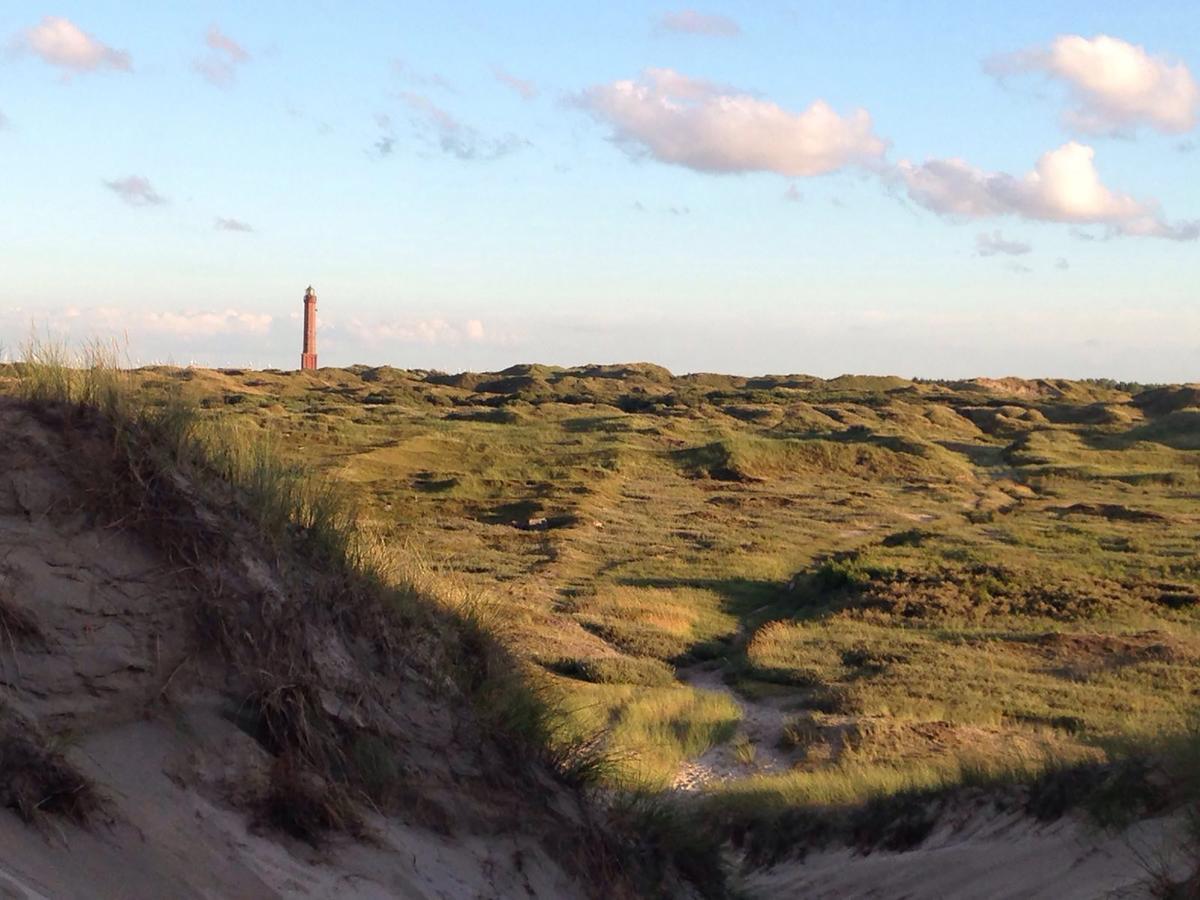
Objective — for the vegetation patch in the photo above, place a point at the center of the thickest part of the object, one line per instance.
(742, 458)
(618, 670)
(36, 780)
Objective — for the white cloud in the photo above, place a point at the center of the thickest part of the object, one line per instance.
(995, 244)
(1064, 186)
(223, 224)
(1116, 86)
(713, 128)
(689, 21)
(219, 66)
(432, 331)
(525, 89)
(60, 42)
(136, 191)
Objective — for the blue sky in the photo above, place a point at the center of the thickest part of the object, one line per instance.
(469, 185)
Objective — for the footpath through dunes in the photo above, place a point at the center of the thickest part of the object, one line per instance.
(188, 710)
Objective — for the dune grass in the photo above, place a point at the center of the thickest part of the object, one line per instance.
(300, 512)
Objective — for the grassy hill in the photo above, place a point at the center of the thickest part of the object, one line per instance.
(1040, 535)
(782, 592)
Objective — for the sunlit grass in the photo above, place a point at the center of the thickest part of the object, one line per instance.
(653, 730)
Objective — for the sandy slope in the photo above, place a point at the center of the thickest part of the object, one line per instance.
(984, 854)
(113, 673)
(173, 836)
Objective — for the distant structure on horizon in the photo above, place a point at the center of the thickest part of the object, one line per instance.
(308, 356)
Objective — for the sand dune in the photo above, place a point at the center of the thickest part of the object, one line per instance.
(101, 660)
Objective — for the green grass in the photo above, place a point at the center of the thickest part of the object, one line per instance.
(1088, 685)
(655, 729)
(855, 784)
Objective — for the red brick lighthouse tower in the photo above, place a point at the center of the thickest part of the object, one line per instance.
(308, 357)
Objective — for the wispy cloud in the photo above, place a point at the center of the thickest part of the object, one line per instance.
(689, 21)
(222, 43)
(793, 195)
(1116, 86)
(219, 65)
(526, 90)
(406, 73)
(385, 144)
(60, 42)
(713, 128)
(136, 191)
(674, 209)
(995, 244)
(223, 224)
(453, 137)
(1064, 186)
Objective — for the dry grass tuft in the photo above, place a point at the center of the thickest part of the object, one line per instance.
(303, 804)
(17, 624)
(36, 780)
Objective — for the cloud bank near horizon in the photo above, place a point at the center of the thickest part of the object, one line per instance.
(1129, 343)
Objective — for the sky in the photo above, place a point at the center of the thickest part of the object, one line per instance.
(935, 189)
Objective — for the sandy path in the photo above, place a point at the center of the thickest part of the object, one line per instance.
(762, 724)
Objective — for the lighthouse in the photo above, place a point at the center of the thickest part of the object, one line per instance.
(308, 356)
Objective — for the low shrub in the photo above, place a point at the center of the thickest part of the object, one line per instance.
(638, 670)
